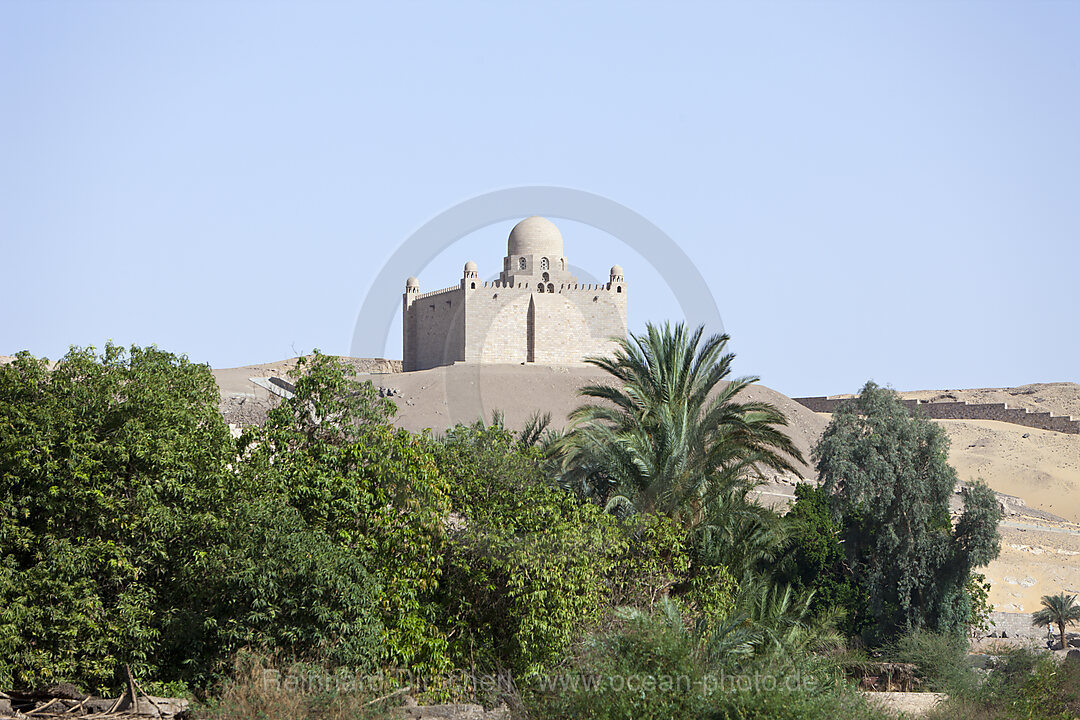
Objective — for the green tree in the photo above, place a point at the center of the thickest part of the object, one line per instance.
(669, 433)
(1060, 609)
(527, 564)
(813, 559)
(889, 483)
(330, 453)
(112, 470)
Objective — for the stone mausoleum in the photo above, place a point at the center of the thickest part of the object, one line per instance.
(536, 312)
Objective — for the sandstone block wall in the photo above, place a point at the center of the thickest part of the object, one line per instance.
(966, 411)
(1016, 625)
(434, 328)
(500, 322)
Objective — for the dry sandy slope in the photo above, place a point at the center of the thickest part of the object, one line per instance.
(1041, 466)
(441, 397)
(1033, 562)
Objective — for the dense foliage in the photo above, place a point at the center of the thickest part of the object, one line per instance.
(889, 485)
(814, 559)
(624, 569)
(112, 473)
(330, 453)
(669, 434)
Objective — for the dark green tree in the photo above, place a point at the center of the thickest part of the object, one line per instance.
(889, 483)
(813, 559)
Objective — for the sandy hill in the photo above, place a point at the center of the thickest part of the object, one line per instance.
(440, 398)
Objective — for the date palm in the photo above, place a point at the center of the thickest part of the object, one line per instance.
(1060, 609)
(670, 434)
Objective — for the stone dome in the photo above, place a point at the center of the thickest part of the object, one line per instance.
(470, 266)
(616, 270)
(412, 282)
(535, 236)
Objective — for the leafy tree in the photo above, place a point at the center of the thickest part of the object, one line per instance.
(112, 470)
(273, 584)
(813, 559)
(330, 453)
(889, 483)
(669, 433)
(978, 594)
(1060, 609)
(526, 564)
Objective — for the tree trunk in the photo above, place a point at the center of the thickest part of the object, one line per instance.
(1063, 646)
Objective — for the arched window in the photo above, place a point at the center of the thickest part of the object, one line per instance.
(521, 263)
(543, 263)
(618, 289)
(562, 262)
(546, 277)
(539, 288)
(472, 286)
(551, 287)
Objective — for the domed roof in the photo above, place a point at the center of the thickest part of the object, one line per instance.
(470, 266)
(616, 270)
(411, 282)
(535, 236)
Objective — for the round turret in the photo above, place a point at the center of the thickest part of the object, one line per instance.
(616, 271)
(535, 236)
(412, 284)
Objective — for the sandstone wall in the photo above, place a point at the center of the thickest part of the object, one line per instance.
(517, 324)
(966, 411)
(433, 325)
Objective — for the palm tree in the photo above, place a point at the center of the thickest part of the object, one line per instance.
(1060, 609)
(670, 435)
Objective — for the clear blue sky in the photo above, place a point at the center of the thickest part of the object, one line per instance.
(872, 189)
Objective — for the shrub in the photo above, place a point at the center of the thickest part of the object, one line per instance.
(330, 453)
(275, 585)
(653, 666)
(941, 659)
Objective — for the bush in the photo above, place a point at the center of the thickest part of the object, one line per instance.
(330, 453)
(275, 585)
(653, 666)
(941, 658)
(1021, 684)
